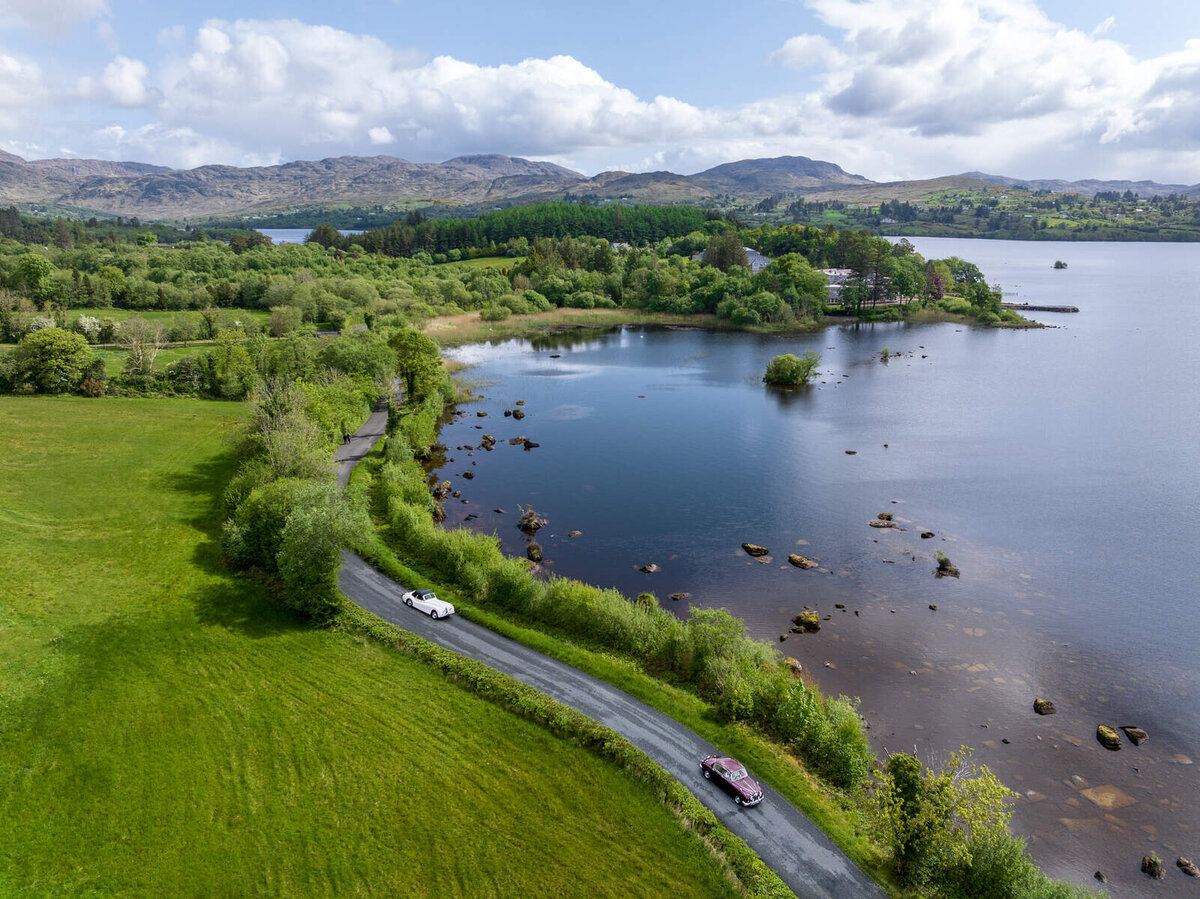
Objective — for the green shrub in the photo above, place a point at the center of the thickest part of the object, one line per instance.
(789, 370)
(495, 313)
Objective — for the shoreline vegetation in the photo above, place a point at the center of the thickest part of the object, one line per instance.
(287, 522)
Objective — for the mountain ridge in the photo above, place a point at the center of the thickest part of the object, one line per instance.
(156, 192)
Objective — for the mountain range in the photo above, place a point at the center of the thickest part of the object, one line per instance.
(158, 193)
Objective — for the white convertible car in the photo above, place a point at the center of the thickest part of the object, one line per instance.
(425, 601)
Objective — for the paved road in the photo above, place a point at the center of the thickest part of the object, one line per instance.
(782, 836)
(351, 453)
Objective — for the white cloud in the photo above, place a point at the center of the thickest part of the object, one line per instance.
(805, 51)
(50, 15)
(380, 136)
(22, 91)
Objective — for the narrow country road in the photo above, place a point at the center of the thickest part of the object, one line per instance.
(356, 448)
(784, 838)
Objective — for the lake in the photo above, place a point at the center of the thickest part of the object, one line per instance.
(1056, 468)
(294, 235)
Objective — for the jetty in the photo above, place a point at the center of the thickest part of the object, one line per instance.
(1026, 307)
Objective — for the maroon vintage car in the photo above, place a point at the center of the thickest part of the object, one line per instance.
(733, 778)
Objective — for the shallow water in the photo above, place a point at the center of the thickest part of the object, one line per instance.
(1056, 467)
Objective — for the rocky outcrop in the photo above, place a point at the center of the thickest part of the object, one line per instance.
(442, 491)
(800, 561)
(755, 550)
(1108, 737)
(794, 666)
(1044, 707)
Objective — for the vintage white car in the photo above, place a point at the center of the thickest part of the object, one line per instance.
(425, 601)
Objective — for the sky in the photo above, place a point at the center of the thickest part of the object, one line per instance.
(889, 89)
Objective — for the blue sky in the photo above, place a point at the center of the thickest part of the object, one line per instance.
(890, 89)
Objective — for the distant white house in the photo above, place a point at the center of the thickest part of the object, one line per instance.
(837, 277)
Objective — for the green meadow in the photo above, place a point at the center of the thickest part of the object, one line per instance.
(167, 728)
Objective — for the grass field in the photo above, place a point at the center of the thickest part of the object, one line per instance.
(167, 729)
(486, 262)
(114, 360)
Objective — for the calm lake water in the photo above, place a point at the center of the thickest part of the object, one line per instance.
(1057, 469)
(294, 235)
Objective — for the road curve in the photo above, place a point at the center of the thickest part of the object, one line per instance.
(784, 838)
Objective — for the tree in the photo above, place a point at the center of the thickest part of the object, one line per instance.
(34, 273)
(932, 817)
(52, 360)
(418, 362)
(143, 341)
(725, 251)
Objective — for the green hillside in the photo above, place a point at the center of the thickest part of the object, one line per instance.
(167, 729)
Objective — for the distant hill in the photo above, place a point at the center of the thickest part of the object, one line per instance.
(1091, 187)
(477, 181)
(778, 175)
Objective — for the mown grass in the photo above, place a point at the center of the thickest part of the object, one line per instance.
(167, 729)
(456, 330)
(486, 262)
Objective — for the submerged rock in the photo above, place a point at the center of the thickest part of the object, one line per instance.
(679, 597)
(529, 444)
(1108, 737)
(1044, 707)
(515, 441)
(884, 523)
(801, 561)
(754, 549)
(574, 533)
(1136, 735)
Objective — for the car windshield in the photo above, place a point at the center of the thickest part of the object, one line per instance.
(428, 597)
(737, 773)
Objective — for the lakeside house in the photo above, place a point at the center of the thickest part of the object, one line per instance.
(837, 277)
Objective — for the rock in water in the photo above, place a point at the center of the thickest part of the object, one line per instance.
(794, 666)
(883, 523)
(469, 475)
(1152, 866)
(946, 568)
(808, 620)
(534, 552)
(925, 535)
(518, 414)
(649, 569)
(442, 490)
(1187, 866)
(679, 597)
(1044, 707)
(754, 549)
(530, 521)
(1099, 875)
(1136, 735)
(884, 516)
(801, 561)
(574, 533)
(1108, 737)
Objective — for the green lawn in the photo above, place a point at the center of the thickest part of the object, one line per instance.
(166, 729)
(262, 316)
(114, 360)
(487, 262)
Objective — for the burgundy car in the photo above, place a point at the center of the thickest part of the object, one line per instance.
(733, 778)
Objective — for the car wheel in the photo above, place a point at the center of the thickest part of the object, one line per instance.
(737, 800)
(408, 602)
(707, 774)
(433, 614)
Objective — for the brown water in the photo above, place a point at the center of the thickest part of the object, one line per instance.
(1057, 468)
